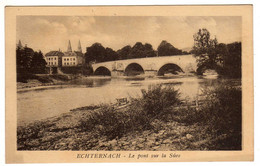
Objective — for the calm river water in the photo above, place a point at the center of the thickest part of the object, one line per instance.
(40, 104)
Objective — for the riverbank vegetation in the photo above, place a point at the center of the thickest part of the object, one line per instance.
(158, 120)
(36, 80)
(225, 59)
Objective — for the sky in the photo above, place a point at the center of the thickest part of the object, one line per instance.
(48, 33)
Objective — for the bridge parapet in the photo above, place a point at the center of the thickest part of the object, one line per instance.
(150, 65)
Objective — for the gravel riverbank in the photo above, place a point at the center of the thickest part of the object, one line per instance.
(156, 121)
(64, 133)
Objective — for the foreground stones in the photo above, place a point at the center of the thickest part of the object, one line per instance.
(63, 133)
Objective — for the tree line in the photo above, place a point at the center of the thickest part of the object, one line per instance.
(225, 59)
(98, 53)
(30, 61)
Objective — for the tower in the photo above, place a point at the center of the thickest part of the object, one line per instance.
(69, 47)
(79, 47)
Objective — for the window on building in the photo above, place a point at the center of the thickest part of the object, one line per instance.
(54, 58)
(74, 59)
(65, 59)
(68, 63)
(74, 63)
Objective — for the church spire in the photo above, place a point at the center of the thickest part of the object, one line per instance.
(79, 47)
(69, 47)
(19, 44)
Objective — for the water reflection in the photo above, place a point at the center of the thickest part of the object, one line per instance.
(91, 82)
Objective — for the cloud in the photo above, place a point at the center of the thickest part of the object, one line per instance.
(81, 24)
(48, 27)
(53, 32)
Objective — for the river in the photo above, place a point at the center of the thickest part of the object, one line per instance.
(48, 102)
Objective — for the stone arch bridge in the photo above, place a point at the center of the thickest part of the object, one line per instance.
(151, 66)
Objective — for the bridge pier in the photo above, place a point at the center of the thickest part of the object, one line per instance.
(116, 73)
(149, 73)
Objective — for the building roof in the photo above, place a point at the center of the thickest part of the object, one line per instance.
(70, 54)
(54, 53)
(74, 53)
(79, 53)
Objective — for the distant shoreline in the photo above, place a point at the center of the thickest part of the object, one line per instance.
(35, 84)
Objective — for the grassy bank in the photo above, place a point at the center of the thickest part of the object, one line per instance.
(157, 120)
(35, 80)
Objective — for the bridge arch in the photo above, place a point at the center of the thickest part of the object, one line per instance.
(134, 69)
(203, 68)
(169, 68)
(101, 70)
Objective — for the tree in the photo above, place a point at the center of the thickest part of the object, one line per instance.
(224, 58)
(205, 50)
(136, 51)
(141, 51)
(166, 49)
(149, 51)
(98, 53)
(124, 52)
(24, 58)
(38, 64)
(232, 60)
(111, 55)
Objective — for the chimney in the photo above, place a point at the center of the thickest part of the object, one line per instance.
(69, 47)
(79, 47)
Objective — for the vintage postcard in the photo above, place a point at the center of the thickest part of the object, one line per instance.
(129, 84)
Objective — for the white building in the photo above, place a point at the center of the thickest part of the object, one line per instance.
(52, 61)
(73, 58)
(53, 58)
(58, 62)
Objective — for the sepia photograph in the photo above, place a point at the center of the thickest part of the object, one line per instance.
(106, 83)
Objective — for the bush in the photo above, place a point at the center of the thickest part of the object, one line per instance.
(60, 77)
(105, 122)
(158, 98)
(44, 79)
(24, 77)
(222, 109)
(221, 114)
(112, 123)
